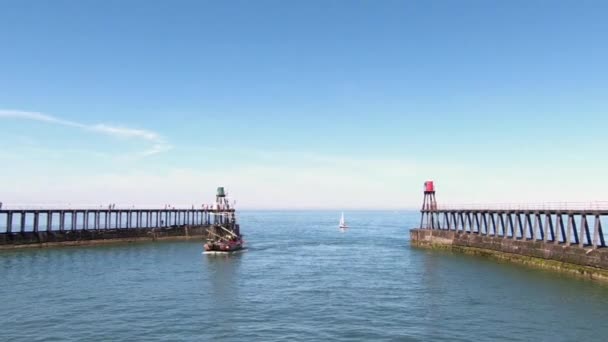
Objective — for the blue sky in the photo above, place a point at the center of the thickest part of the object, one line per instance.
(303, 104)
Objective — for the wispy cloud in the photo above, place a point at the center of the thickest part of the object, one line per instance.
(159, 144)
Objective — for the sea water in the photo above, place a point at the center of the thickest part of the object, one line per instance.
(301, 279)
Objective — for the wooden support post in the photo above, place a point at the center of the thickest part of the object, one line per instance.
(548, 228)
(584, 232)
(36, 221)
(9, 222)
(497, 220)
(574, 231)
(559, 229)
(528, 226)
(85, 220)
(541, 229)
(22, 225)
(569, 230)
(581, 235)
(484, 219)
(534, 227)
(601, 233)
(62, 221)
(596, 231)
(74, 220)
(588, 236)
(513, 227)
(493, 222)
(49, 221)
(450, 221)
(476, 223)
(119, 219)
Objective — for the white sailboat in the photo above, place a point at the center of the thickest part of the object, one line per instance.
(342, 223)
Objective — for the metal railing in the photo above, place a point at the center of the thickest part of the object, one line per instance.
(112, 206)
(560, 206)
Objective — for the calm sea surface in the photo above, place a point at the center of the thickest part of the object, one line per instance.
(301, 280)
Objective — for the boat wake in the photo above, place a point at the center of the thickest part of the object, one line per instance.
(224, 253)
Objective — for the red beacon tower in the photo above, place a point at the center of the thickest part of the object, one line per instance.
(429, 202)
(429, 205)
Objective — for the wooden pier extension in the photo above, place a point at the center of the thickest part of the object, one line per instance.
(47, 227)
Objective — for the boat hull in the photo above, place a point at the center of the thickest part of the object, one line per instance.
(224, 247)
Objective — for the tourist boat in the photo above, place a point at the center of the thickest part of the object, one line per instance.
(224, 239)
(228, 243)
(225, 235)
(342, 225)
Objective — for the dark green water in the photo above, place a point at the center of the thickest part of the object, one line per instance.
(301, 280)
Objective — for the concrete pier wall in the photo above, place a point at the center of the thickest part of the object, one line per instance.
(588, 262)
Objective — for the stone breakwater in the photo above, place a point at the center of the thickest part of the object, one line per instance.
(586, 262)
(99, 237)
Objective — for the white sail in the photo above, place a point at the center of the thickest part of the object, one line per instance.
(342, 222)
